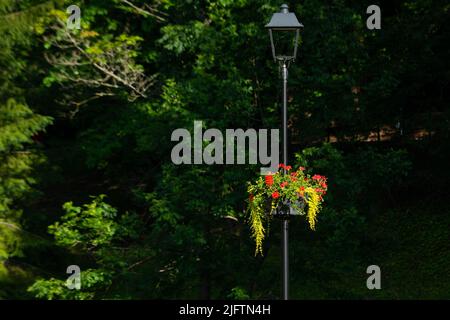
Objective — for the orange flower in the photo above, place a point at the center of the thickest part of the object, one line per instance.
(284, 184)
(269, 180)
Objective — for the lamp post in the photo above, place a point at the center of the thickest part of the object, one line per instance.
(284, 29)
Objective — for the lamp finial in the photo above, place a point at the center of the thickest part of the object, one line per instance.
(284, 8)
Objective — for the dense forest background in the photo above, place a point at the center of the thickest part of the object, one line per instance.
(86, 177)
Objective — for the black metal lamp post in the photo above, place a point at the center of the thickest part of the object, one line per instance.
(284, 29)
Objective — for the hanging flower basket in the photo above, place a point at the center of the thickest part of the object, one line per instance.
(283, 194)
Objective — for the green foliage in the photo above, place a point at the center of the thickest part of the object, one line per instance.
(17, 126)
(238, 294)
(17, 160)
(357, 180)
(357, 172)
(16, 24)
(92, 282)
(96, 229)
(91, 226)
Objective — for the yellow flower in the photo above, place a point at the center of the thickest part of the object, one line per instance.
(313, 200)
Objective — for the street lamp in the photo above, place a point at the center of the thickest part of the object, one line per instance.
(284, 29)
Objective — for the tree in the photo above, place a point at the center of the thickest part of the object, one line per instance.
(19, 154)
(18, 124)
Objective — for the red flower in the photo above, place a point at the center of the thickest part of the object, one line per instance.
(282, 165)
(302, 188)
(324, 185)
(269, 180)
(320, 178)
(302, 168)
(294, 174)
(283, 184)
(275, 195)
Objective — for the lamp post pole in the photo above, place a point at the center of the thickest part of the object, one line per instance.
(285, 222)
(284, 22)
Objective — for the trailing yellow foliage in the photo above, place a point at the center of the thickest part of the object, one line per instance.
(313, 201)
(257, 227)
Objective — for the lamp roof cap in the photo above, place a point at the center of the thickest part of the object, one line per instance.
(284, 20)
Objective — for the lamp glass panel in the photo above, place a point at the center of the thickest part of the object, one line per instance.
(284, 42)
